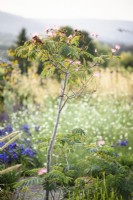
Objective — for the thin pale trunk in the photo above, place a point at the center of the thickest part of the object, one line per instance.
(52, 140)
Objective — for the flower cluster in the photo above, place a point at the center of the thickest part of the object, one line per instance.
(26, 128)
(6, 130)
(9, 129)
(117, 47)
(14, 152)
(122, 142)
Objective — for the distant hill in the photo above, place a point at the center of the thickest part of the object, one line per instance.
(11, 25)
(108, 30)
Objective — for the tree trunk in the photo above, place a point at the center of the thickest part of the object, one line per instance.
(52, 140)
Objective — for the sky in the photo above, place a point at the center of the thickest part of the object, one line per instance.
(96, 9)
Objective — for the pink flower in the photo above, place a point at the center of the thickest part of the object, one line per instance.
(117, 47)
(36, 34)
(70, 37)
(42, 171)
(70, 61)
(96, 74)
(113, 50)
(77, 62)
(100, 142)
(93, 34)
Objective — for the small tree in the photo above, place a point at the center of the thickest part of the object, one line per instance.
(63, 53)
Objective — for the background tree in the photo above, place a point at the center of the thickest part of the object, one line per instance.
(126, 59)
(6, 66)
(5, 74)
(22, 62)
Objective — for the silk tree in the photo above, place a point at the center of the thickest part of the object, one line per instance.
(75, 66)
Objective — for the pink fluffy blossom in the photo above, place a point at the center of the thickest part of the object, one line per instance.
(96, 74)
(70, 61)
(77, 62)
(100, 142)
(93, 34)
(113, 50)
(117, 47)
(42, 171)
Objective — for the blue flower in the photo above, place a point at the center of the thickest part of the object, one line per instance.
(4, 157)
(12, 146)
(8, 129)
(25, 128)
(122, 142)
(21, 148)
(29, 152)
(37, 128)
(14, 156)
(2, 132)
(2, 144)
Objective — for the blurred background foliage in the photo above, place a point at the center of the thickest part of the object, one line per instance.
(22, 85)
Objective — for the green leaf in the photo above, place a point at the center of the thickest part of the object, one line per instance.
(78, 131)
(75, 40)
(48, 70)
(86, 55)
(29, 182)
(74, 52)
(98, 60)
(64, 50)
